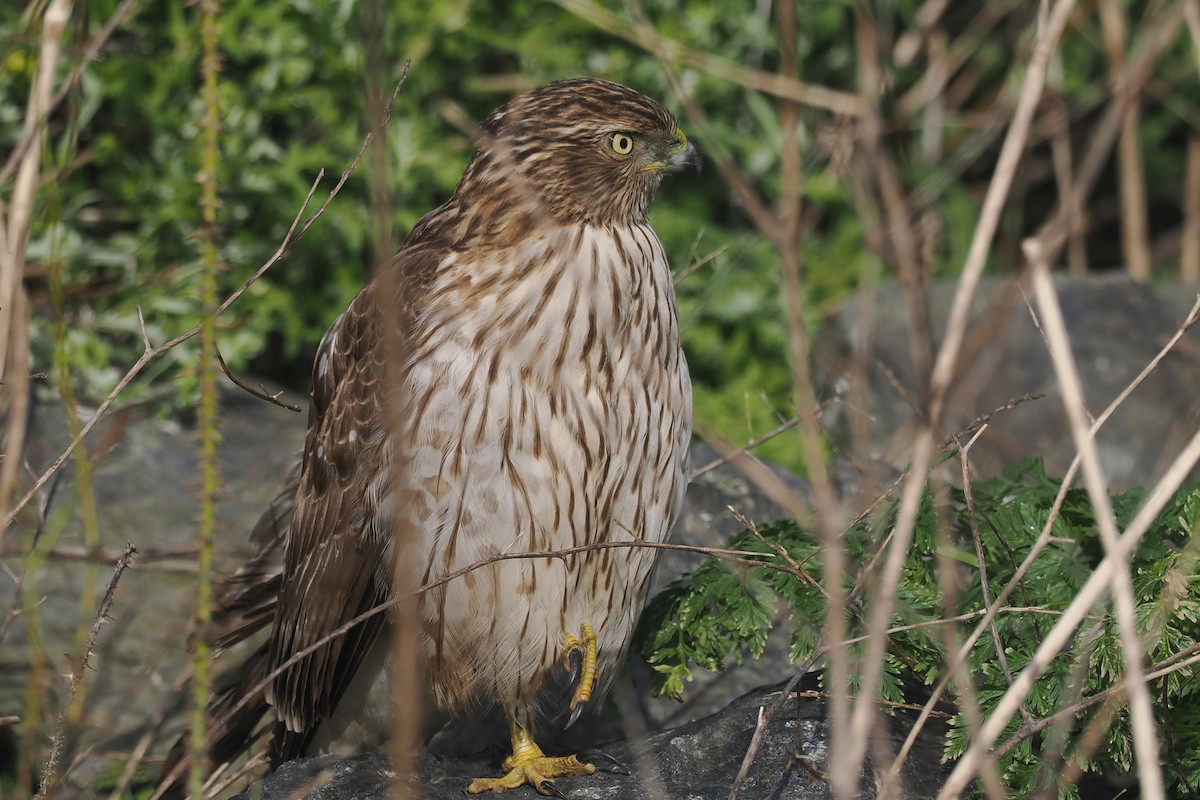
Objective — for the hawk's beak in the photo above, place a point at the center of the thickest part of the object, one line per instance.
(684, 154)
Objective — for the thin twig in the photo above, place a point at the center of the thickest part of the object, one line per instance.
(713, 256)
(747, 447)
(783, 227)
(29, 134)
(1097, 584)
(966, 692)
(850, 761)
(932, 82)
(755, 207)
(815, 695)
(1157, 33)
(206, 416)
(982, 612)
(69, 552)
(14, 241)
(148, 737)
(741, 558)
(19, 579)
(984, 420)
(981, 560)
(79, 669)
(779, 550)
(1145, 738)
(735, 453)
(218, 782)
(1132, 185)
(261, 395)
(765, 716)
(149, 355)
(758, 473)
(1181, 660)
(781, 85)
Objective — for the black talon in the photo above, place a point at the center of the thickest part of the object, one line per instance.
(575, 715)
(576, 658)
(573, 674)
(613, 766)
(548, 789)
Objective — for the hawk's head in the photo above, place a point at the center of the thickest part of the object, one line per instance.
(586, 150)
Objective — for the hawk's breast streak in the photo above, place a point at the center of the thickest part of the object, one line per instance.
(547, 406)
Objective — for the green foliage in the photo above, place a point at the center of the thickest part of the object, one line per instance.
(293, 89)
(723, 612)
(123, 159)
(293, 101)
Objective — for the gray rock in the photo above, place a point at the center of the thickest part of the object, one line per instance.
(146, 488)
(699, 761)
(1116, 327)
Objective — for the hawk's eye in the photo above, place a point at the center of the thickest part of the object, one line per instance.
(621, 143)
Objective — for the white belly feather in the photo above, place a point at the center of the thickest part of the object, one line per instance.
(548, 406)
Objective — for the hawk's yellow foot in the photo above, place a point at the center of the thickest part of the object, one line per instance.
(528, 765)
(579, 657)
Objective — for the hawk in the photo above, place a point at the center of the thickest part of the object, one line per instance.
(510, 382)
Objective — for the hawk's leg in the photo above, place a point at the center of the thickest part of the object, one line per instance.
(579, 659)
(528, 765)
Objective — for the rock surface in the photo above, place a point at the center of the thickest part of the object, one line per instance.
(1116, 327)
(698, 761)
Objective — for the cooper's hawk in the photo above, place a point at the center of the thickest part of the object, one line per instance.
(511, 381)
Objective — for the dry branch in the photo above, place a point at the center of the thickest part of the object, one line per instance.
(1145, 738)
(1043, 539)
(79, 669)
(1134, 237)
(1157, 34)
(846, 769)
(783, 86)
(14, 238)
(294, 234)
(1099, 583)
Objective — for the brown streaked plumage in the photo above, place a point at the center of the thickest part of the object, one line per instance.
(511, 381)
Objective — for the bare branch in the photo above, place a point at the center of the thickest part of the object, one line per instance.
(79, 669)
(261, 395)
(780, 85)
(1043, 539)
(1145, 738)
(1010, 155)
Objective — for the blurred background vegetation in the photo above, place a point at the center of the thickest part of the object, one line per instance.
(903, 105)
(117, 218)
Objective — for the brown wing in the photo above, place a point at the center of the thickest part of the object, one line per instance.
(333, 568)
(329, 565)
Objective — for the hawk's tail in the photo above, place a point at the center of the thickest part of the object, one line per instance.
(234, 725)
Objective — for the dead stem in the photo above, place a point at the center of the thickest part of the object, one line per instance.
(78, 670)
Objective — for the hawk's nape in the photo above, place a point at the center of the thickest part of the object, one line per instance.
(510, 382)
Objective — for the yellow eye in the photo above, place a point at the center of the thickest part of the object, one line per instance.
(621, 143)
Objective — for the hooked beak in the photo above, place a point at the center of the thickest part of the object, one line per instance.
(683, 155)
